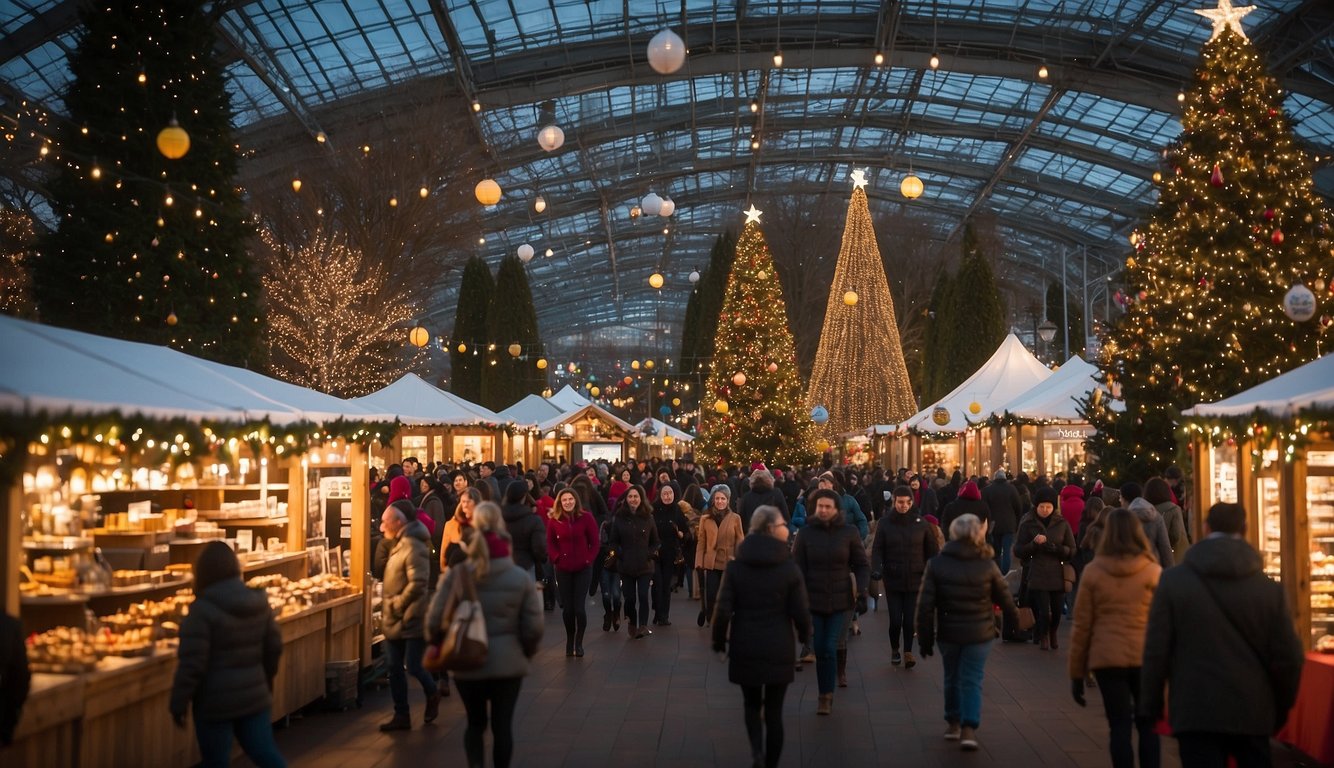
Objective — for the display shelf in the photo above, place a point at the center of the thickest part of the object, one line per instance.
(273, 562)
(65, 544)
(249, 522)
(114, 592)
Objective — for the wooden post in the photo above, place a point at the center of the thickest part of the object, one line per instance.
(361, 537)
(1202, 476)
(11, 551)
(296, 504)
(1296, 544)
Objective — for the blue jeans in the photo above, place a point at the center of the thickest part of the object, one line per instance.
(1003, 543)
(255, 732)
(636, 599)
(828, 627)
(964, 666)
(610, 584)
(397, 652)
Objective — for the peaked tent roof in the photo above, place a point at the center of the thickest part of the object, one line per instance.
(1010, 371)
(567, 399)
(415, 401)
(663, 428)
(1307, 387)
(575, 413)
(1055, 398)
(532, 409)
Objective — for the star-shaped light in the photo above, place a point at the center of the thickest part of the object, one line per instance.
(1226, 15)
(753, 215)
(858, 178)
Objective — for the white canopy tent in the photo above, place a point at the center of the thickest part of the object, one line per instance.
(414, 401)
(593, 408)
(662, 429)
(1056, 397)
(1010, 371)
(567, 399)
(1310, 386)
(532, 409)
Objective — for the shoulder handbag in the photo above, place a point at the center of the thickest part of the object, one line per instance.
(1068, 576)
(680, 558)
(462, 645)
(1026, 619)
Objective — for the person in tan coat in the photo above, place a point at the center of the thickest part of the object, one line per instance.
(1111, 618)
(719, 536)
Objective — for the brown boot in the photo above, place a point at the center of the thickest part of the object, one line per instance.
(1051, 638)
(843, 668)
(825, 704)
(1044, 643)
(967, 739)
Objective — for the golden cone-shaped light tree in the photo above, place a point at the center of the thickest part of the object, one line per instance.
(860, 376)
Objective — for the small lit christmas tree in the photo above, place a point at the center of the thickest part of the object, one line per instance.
(16, 242)
(860, 376)
(468, 341)
(752, 406)
(1237, 226)
(511, 326)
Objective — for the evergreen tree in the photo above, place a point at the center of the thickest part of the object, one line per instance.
(938, 335)
(751, 413)
(697, 344)
(148, 248)
(511, 327)
(16, 254)
(1067, 316)
(976, 316)
(469, 340)
(860, 376)
(1237, 225)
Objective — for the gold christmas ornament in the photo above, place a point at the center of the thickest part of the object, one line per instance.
(172, 319)
(912, 187)
(720, 406)
(541, 364)
(463, 348)
(739, 379)
(850, 298)
(974, 407)
(634, 364)
(940, 416)
(515, 350)
(173, 142)
(595, 392)
(419, 336)
(655, 280)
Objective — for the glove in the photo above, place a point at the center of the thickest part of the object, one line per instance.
(927, 650)
(1077, 692)
(875, 575)
(862, 607)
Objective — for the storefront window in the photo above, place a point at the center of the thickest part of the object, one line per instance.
(940, 456)
(1320, 515)
(1028, 450)
(1063, 449)
(1225, 473)
(1271, 526)
(473, 448)
(414, 445)
(438, 444)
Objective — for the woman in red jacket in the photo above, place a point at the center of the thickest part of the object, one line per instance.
(572, 543)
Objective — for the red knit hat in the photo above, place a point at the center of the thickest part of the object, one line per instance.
(969, 491)
(399, 488)
(757, 466)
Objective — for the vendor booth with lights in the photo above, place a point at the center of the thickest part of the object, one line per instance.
(571, 427)
(1042, 430)
(121, 460)
(661, 440)
(439, 426)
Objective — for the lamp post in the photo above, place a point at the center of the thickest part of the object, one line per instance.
(1047, 332)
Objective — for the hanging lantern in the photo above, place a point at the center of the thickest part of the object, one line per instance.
(635, 212)
(635, 365)
(173, 142)
(720, 406)
(525, 253)
(655, 280)
(419, 337)
(595, 392)
(424, 193)
(676, 401)
(940, 416)
(541, 363)
(1299, 303)
(546, 392)
(651, 204)
(694, 277)
(462, 348)
(911, 187)
(648, 364)
(668, 207)
(539, 204)
(974, 407)
(296, 186)
(550, 253)
(487, 192)
(739, 379)
(822, 445)
(820, 414)
(666, 52)
(627, 381)
(551, 138)
(172, 319)
(515, 350)
(850, 298)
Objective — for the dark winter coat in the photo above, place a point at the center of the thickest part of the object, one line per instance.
(924, 498)
(228, 654)
(528, 534)
(1217, 682)
(959, 588)
(761, 493)
(406, 580)
(961, 506)
(572, 542)
(902, 545)
(762, 599)
(14, 676)
(513, 614)
(1006, 506)
(1043, 561)
(439, 510)
(634, 538)
(1155, 530)
(670, 519)
(829, 554)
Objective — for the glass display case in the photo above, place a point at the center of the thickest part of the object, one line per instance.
(1320, 516)
(1225, 473)
(1270, 529)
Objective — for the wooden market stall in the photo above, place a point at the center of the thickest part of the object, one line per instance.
(1041, 430)
(439, 426)
(120, 460)
(659, 439)
(588, 433)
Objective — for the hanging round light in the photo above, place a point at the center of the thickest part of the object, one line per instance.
(595, 392)
(651, 204)
(525, 253)
(550, 253)
(666, 52)
(463, 348)
(694, 276)
(940, 416)
(850, 298)
(668, 207)
(419, 337)
(551, 138)
(296, 186)
(487, 192)
(424, 192)
(515, 350)
(541, 363)
(539, 204)
(655, 280)
(634, 365)
(173, 142)
(974, 407)
(911, 187)
(636, 212)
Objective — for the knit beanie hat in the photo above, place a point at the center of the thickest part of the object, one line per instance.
(1046, 495)
(722, 488)
(969, 491)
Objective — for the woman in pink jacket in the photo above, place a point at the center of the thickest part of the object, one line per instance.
(572, 543)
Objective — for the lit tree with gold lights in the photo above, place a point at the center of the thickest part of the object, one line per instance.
(1237, 228)
(16, 241)
(334, 324)
(860, 376)
(752, 407)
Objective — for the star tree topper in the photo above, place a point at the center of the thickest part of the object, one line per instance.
(1224, 16)
(858, 178)
(753, 215)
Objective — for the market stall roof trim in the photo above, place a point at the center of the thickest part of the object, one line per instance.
(414, 401)
(1010, 371)
(594, 409)
(1310, 387)
(1056, 398)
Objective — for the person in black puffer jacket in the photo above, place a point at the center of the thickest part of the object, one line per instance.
(1044, 543)
(955, 609)
(525, 527)
(634, 539)
(903, 543)
(226, 662)
(762, 492)
(830, 554)
(673, 528)
(967, 502)
(762, 601)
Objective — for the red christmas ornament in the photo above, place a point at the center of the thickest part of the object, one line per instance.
(1269, 214)
(1273, 112)
(1216, 178)
(1277, 237)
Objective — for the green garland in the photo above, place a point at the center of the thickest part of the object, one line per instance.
(1293, 432)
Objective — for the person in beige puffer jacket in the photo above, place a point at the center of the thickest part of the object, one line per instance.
(1111, 617)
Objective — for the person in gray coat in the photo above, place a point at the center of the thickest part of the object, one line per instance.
(513, 614)
(406, 575)
(1220, 637)
(1155, 530)
(1158, 493)
(226, 662)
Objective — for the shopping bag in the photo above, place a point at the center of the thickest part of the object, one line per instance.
(462, 643)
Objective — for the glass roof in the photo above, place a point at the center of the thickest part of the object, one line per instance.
(1060, 162)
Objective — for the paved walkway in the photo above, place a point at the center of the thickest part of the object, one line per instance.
(665, 701)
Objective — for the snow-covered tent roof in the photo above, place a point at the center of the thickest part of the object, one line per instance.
(661, 428)
(1009, 372)
(58, 370)
(575, 413)
(1307, 387)
(567, 399)
(532, 409)
(415, 401)
(1055, 398)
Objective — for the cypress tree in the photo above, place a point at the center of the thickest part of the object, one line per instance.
(938, 339)
(511, 320)
(469, 340)
(976, 316)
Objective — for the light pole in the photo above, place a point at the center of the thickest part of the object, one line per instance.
(1047, 332)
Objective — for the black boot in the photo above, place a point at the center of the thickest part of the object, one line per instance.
(606, 620)
(843, 668)
(616, 618)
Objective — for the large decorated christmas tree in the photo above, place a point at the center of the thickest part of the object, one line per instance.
(860, 377)
(752, 406)
(148, 247)
(1227, 279)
